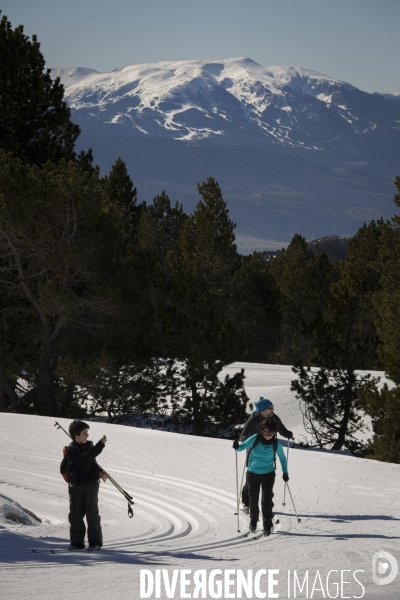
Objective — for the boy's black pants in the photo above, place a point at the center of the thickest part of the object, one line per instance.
(245, 494)
(83, 501)
(266, 482)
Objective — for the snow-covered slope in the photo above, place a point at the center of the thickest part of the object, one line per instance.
(72, 75)
(233, 99)
(185, 500)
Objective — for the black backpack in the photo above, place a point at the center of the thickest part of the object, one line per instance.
(256, 442)
(64, 466)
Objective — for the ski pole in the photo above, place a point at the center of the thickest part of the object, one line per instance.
(241, 486)
(291, 497)
(237, 491)
(127, 496)
(56, 424)
(241, 483)
(287, 462)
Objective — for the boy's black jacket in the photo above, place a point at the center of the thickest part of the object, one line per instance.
(83, 467)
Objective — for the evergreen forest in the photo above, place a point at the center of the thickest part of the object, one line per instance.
(110, 306)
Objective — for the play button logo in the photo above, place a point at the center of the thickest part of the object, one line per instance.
(384, 568)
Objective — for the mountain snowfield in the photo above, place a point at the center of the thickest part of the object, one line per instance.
(234, 98)
(294, 151)
(184, 489)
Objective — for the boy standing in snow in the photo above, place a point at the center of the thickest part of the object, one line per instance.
(84, 474)
(264, 410)
(261, 471)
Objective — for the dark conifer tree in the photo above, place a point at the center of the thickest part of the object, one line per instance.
(35, 121)
(209, 237)
(191, 324)
(330, 405)
(255, 309)
(119, 188)
(160, 227)
(303, 281)
(383, 405)
(71, 284)
(387, 299)
(344, 340)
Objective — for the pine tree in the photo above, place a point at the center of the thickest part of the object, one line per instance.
(191, 324)
(208, 239)
(60, 273)
(122, 390)
(191, 327)
(119, 188)
(330, 405)
(344, 339)
(255, 309)
(346, 336)
(387, 301)
(160, 227)
(302, 280)
(34, 118)
(383, 405)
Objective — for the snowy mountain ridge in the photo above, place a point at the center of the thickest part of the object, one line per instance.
(179, 72)
(235, 99)
(294, 150)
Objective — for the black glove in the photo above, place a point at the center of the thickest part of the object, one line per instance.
(289, 435)
(285, 477)
(235, 444)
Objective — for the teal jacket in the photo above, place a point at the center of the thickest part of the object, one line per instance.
(261, 459)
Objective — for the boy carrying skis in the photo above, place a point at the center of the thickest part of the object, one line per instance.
(84, 474)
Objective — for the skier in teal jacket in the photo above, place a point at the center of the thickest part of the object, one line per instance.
(261, 471)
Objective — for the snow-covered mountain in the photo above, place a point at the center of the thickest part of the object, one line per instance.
(295, 151)
(229, 100)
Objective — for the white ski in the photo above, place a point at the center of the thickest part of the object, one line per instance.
(249, 533)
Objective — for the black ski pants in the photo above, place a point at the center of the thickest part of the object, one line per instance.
(245, 494)
(266, 482)
(245, 491)
(83, 502)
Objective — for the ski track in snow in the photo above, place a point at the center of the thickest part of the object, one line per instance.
(184, 488)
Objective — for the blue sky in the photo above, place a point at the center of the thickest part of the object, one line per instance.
(353, 40)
